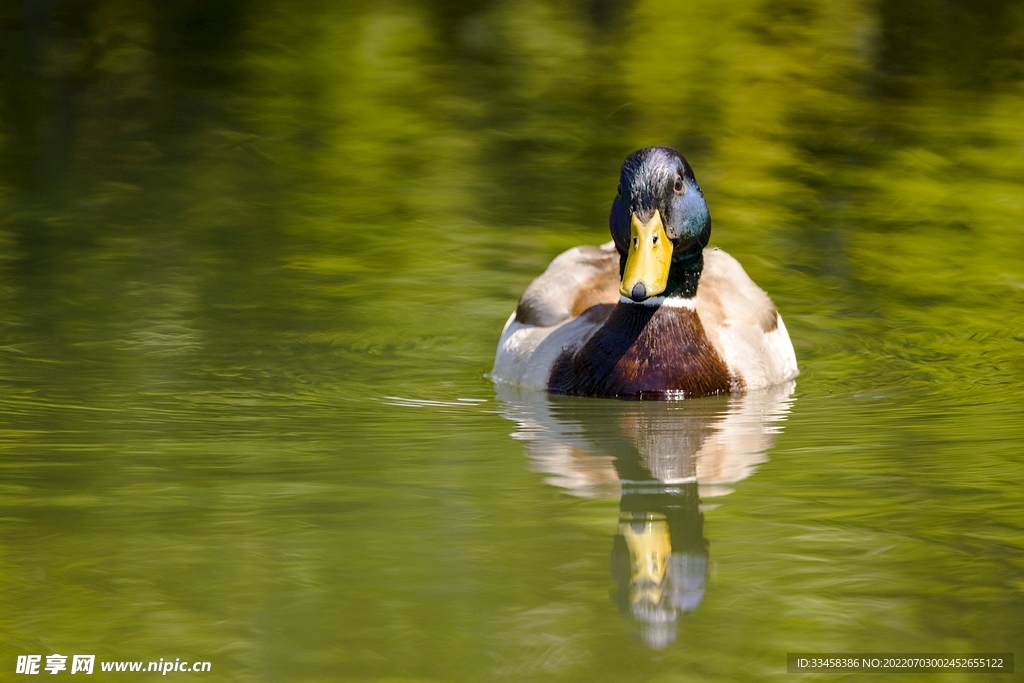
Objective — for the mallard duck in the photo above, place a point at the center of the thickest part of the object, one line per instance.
(653, 314)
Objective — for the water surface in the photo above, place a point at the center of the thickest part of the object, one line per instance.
(255, 257)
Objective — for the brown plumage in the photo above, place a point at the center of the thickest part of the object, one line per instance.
(644, 352)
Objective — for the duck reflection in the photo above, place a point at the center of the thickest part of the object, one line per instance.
(659, 559)
(661, 459)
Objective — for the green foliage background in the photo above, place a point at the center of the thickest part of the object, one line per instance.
(230, 230)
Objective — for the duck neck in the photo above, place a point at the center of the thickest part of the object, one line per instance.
(684, 274)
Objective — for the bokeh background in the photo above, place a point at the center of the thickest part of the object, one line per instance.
(255, 256)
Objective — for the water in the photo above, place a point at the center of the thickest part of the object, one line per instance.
(256, 257)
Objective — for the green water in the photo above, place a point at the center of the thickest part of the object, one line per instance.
(255, 257)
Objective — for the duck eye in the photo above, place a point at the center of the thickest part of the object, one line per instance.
(678, 186)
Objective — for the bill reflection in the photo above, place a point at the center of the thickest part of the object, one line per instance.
(661, 459)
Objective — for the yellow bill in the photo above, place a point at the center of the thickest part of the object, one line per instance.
(649, 549)
(649, 258)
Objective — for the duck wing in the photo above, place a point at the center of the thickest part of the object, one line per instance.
(576, 280)
(742, 323)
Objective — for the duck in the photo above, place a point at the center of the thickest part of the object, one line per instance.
(654, 314)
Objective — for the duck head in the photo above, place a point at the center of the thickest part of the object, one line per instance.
(660, 224)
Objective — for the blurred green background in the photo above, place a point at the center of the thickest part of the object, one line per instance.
(255, 256)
